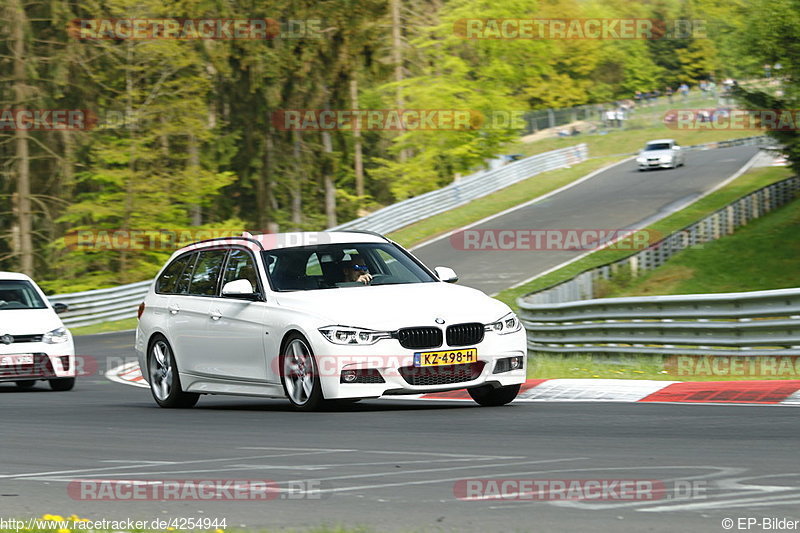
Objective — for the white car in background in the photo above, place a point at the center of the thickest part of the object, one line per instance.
(34, 344)
(285, 315)
(661, 153)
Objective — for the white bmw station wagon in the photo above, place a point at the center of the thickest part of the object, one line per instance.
(321, 317)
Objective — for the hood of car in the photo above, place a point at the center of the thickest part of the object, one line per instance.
(390, 307)
(28, 321)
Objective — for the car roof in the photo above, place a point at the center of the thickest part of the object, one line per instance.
(659, 141)
(277, 241)
(14, 275)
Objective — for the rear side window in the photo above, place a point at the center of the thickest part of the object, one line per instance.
(186, 276)
(168, 279)
(206, 273)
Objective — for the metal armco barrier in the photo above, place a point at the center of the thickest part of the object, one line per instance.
(464, 190)
(720, 223)
(102, 305)
(743, 323)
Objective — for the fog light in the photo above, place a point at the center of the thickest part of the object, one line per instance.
(507, 364)
(349, 376)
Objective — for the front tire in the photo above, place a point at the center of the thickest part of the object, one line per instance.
(62, 384)
(299, 374)
(162, 372)
(489, 396)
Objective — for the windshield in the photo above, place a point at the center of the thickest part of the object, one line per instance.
(657, 146)
(332, 266)
(19, 294)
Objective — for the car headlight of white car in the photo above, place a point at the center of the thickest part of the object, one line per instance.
(508, 324)
(349, 335)
(641, 159)
(56, 336)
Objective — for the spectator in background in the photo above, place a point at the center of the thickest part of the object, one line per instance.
(684, 90)
(668, 92)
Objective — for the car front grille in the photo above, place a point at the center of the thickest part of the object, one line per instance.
(464, 334)
(422, 337)
(441, 375)
(27, 338)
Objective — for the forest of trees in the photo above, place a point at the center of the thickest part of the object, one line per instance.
(185, 137)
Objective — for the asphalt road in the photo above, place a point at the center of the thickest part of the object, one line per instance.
(619, 198)
(393, 465)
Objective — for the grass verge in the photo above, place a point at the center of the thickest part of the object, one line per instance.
(743, 185)
(105, 327)
(763, 255)
(624, 366)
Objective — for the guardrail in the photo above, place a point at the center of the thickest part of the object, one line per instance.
(94, 307)
(722, 222)
(464, 190)
(744, 323)
(102, 305)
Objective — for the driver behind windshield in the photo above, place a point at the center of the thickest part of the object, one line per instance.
(355, 269)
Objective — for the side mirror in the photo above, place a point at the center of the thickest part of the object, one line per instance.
(446, 274)
(676, 147)
(240, 288)
(60, 308)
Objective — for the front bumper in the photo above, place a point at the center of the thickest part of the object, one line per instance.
(37, 360)
(661, 163)
(388, 368)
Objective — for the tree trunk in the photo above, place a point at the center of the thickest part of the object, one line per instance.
(397, 60)
(193, 165)
(296, 187)
(330, 187)
(358, 158)
(24, 216)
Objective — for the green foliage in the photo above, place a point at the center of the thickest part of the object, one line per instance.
(187, 138)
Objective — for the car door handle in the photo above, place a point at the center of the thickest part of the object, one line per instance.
(173, 309)
(215, 314)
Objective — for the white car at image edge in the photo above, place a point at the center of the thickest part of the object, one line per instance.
(34, 344)
(321, 317)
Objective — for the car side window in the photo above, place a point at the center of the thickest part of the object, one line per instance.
(168, 279)
(240, 265)
(182, 287)
(206, 273)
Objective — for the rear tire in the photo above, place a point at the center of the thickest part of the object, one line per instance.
(489, 396)
(299, 374)
(25, 384)
(162, 374)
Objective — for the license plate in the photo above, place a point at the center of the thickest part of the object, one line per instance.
(448, 357)
(13, 360)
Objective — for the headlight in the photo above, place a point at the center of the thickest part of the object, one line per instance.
(56, 336)
(347, 335)
(508, 324)
(640, 159)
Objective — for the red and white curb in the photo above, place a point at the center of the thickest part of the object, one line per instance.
(766, 392)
